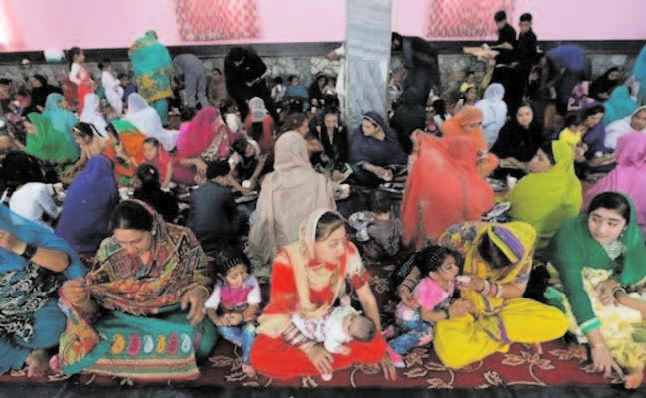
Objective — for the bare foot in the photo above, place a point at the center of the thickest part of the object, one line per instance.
(37, 363)
(633, 380)
(249, 370)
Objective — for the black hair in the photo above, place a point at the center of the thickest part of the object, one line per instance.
(228, 258)
(328, 223)
(549, 151)
(431, 258)
(216, 69)
(217, 168)
(379, 201)
(593, 110)
(278, 80)
(331, 110)
(469, 72)
(257, 131)
(149, 177)
(85, 129)
(500, 16)
(104, 62)
(110, 127)
(237, 54)
(41, 78)
(19, 168)
(440, 108)
(121, 76)
(291, 77)
(526, 17)
(573, 119)
(226, 105)
(612, 201)
(131, 215)
(240, 146)
(22, 92)
(71, 53)
(487, 250)
(154, 141)
(5, 81)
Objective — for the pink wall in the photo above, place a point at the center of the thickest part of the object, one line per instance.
(116, 23)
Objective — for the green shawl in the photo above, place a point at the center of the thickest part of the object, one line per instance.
(48, 143)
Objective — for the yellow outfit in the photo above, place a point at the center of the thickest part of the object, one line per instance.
(572, 138)
(496, 322)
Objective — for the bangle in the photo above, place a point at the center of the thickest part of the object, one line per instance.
(30, 251)
(498, 290)
(486, 287)
(618, 290)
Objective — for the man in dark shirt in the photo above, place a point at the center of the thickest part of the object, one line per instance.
(506, 43)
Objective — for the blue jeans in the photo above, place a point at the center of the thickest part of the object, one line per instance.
(49, 324)
(413, 331)
(240, 336)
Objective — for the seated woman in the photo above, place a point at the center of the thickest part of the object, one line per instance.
(619, 105)
(259, 125)
(31, 259)
(125, 149)
(444, 187)
(140, 312)
(307, 278)
(85, 220)
(206, 137)
(334, 138)
(603, 85)
(373, 147)
(246, 163)
(91, 144)
(494, 110)
(147, 120)
(29, 196)
(609, 241)
(92, 113)
(628, 177)
(48, 144)
(62, 118)
(290, 193)
(498, 261)
(550, 194)
(468, 122)
(635, 123)
(148, 190)
(517, 143)
(156, 155)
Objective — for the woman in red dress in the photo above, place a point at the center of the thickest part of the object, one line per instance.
(308, 276)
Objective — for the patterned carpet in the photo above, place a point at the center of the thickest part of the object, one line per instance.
(552, 364)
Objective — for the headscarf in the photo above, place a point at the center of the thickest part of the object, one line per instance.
(48, 143)
(379, 153)
(35, 234)
(196, 136)
(619, 128)
(176, 265)
(288, 194)
(62, 119)
(619, 105)
(544, 200)
(153, 67)
(568, 56)
(518, 142)
(628, 177)
(462, 195)
(639, 74)
(494, 112)
(89, 202)
(148, 121)
(257, 109)
(39, 94)
(133, 141)
(92, 114)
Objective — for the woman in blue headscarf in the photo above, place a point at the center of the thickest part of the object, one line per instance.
(374, 147)
(85, 221)
(62, 119)
(619, 105)
(33, 264)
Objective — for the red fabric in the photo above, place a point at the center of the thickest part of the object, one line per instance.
(276, 358)
(455, 126)
(195, 136)
(161, 162)
(464, 19)
(204, 20)
(267, 141)
(444, 181)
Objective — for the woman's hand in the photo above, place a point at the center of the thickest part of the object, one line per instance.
(603, 360)
(390, 373)
(75, 291)
(10, 242)
(200, 166)
(460, 307)
(408, 299)
(195, 298)
(475, 284)
(320, 358)
(604, 291)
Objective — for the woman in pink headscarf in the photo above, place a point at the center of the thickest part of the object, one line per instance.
(628, 177)
(206, 137)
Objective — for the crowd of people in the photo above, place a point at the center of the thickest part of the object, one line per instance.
(126, 247)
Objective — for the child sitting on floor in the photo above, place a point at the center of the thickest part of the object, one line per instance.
(157, 156)
(381, 238)
(430, 300)
(234, 304)
(338, 326)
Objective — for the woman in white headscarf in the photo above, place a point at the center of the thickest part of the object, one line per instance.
(148, 121)
(288, 195)
(494, 110)
(92, 114)
(260, 125)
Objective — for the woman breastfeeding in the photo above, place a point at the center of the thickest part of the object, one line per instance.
(599, 255)
(139, 313)
(308, 276)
